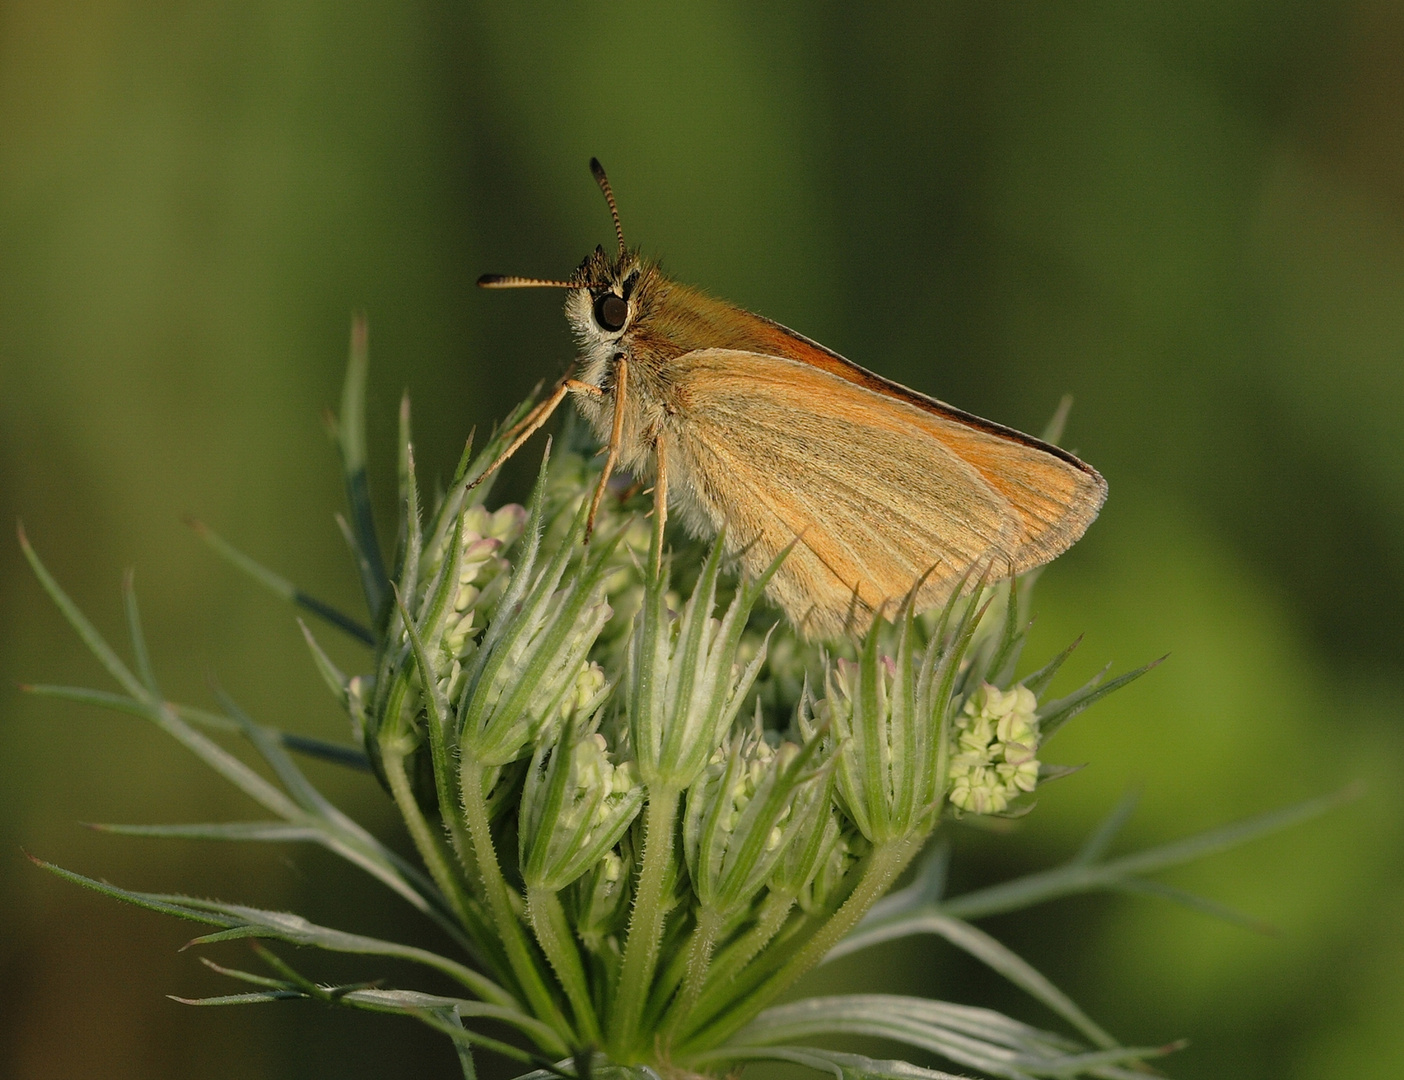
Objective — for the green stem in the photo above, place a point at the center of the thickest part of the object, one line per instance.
(444, 772)
(645, 925)
(504, 913)
(553, 932)
(457, 834)
(429, 845)
(884, 864)
(699, 960)
(775, 909)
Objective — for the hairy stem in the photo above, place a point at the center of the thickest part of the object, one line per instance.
(721, 975)
(645, 924)
(504, 913)
(553, 933)
(429, 844)
(699, 959)
(884, 864)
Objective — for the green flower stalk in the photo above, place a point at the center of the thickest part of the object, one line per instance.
(628, 875)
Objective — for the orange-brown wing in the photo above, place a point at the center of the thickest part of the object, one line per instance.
(878, 490)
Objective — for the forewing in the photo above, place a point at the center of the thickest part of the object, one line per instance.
(777, 450)
(1055, 495)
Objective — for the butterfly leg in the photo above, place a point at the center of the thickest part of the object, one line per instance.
(616, 436)
(660, 498)
(533, 422)
(529, 421)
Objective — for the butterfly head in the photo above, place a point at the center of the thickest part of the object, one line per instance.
(607, 296)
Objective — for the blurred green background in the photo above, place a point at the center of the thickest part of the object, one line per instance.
(1190, 215)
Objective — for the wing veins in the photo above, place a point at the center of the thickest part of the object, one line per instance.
(860, 502)
(785, 527)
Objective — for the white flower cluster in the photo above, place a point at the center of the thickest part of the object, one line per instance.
(482, 576)
(996, 743)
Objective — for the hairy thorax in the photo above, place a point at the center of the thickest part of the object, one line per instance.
(666, 322)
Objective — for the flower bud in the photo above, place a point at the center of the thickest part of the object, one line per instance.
(600, 898)
(741, 814)
(575, 806)
(825, 888)
(528, 664)
(686, 684)
(994, 757)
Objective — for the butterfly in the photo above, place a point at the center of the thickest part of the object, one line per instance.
(747, 426)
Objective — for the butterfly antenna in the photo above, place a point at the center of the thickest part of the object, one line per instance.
(511, 281)
(597, 171)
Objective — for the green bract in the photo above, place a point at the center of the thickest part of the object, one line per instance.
(633, 876)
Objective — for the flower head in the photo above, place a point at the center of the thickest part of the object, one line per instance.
(633, 874)
(996, 746)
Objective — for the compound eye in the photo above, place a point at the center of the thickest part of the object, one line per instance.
(611, 311)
